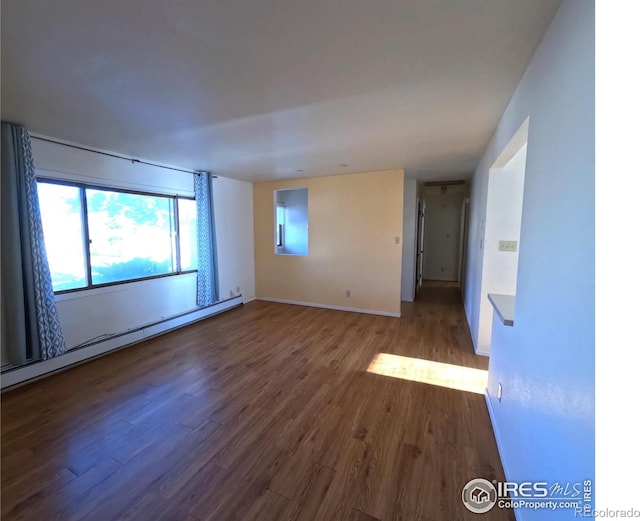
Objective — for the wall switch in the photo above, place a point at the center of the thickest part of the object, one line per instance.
(499, 392)
(397, 239)
(348, 293)
(508, 246)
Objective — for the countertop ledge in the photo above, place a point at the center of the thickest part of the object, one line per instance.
(504, 306)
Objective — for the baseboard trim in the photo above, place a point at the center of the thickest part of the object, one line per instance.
(483, 353)
(496, 434)
(328, 306)
(36, 370)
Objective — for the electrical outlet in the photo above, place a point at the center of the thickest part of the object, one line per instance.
(348, 293)
(508, 246)
(397, 239)
(499, 392)
(238, 290)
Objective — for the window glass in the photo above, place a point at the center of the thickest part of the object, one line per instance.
(131, 235)
(61, 211)
(292, 221)
(188, 234)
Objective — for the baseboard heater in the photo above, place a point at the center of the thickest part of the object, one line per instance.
(25, 373)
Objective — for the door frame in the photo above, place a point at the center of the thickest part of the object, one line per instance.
(464, 232)
(419, 246)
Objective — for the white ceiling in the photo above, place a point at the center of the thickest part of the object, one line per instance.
(256, 89)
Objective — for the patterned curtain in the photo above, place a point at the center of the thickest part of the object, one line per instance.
(208, 292)
(30, 325)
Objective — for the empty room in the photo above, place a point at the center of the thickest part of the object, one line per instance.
(314, 261)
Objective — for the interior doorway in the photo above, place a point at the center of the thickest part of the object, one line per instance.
(444, 230)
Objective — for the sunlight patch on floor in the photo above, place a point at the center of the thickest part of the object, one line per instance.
(429, 372)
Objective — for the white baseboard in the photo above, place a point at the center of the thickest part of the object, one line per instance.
(496, 434)
(23, 374)
(328, 306)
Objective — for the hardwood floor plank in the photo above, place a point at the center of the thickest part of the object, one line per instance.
(338, 501)
(123, 489)
(356, 515)
(27, 494)
(61, 505)
(196, 454)
(250, 479)
(153, 508)
(269, 507)
(312, 491)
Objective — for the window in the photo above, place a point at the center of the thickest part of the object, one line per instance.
(61, 209)
(97, 236)
(291, 221)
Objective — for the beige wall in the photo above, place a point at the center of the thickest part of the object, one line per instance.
(353, 221)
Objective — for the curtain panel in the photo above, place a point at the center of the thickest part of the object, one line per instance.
(207, 284)
(30, 324)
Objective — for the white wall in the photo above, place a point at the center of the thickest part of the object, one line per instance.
(62, 162)
(90, 314)
(233, 208)
(502, 222)
(545, 422)
(442, 232)
(409, 245)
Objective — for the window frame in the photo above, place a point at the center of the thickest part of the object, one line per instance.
(280, 226)
(84, 214)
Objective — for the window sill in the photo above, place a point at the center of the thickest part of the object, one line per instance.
(120, 286)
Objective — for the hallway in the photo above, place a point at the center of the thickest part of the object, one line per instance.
(438, 328)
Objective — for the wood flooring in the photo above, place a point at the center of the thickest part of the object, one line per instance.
(265, 412)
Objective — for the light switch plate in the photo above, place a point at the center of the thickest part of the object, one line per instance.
(508, 246)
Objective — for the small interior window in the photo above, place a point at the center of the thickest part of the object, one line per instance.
(291, 222)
